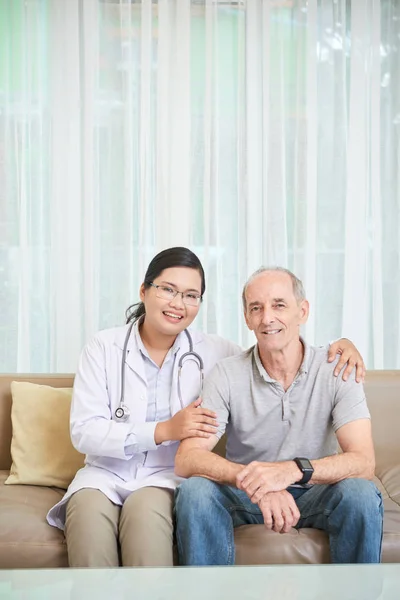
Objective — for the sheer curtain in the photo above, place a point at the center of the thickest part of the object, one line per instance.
(254, 132)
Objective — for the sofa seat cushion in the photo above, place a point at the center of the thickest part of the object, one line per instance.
(256, 545)
(26, 539)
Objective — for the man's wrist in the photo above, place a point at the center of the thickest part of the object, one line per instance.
(294, 472)
(306, 470)
(235, 469)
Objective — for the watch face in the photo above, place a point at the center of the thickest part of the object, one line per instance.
(305, 463)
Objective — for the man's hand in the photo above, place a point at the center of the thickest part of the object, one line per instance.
(191, 421)
(260, 478)
(350, 356)
(280, 511)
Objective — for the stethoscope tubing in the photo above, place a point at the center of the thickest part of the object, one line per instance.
(122, 412)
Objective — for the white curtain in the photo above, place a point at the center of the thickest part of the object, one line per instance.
(254, 132)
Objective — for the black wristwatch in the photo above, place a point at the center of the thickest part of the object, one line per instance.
(306, 468)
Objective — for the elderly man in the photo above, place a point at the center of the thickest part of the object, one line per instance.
(284, 414)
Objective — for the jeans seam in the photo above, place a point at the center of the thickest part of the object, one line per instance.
(240, 507)
(230, 554)
(326, 512)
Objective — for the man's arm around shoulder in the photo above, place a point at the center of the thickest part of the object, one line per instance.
(195, 458)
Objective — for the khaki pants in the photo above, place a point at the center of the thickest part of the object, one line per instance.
(101, 534)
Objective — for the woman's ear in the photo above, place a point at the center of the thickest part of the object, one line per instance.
(141, 292)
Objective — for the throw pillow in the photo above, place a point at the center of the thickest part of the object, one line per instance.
(41, 449)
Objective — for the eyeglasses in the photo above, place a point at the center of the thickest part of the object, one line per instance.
(167, 293)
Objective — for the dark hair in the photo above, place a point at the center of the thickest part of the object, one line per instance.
(171, 257)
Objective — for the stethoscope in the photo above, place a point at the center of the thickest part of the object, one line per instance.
(122, 413)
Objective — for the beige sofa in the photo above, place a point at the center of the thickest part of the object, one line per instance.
(27, 541)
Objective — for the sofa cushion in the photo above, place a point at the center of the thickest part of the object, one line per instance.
(26, 539)
(256, 545)
(41, 448)
(62, 381)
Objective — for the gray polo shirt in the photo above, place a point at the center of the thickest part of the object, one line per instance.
(265, 423)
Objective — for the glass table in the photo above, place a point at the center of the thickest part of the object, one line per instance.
(287, 582)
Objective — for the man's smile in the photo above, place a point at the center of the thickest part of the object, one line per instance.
(272, 331)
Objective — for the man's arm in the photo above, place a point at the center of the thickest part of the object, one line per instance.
(195, 458)
(357, 460)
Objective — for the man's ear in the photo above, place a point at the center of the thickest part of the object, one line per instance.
(304, 311)
(141, 292)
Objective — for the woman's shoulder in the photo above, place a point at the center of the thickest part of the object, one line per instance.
(214, 342)
(108, 337)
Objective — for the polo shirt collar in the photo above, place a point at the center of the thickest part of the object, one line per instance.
(304, 367)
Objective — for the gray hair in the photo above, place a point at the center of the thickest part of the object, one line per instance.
(298, 289)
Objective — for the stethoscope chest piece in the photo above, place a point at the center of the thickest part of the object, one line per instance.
(122, 413)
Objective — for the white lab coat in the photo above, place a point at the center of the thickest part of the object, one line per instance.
(96, 396)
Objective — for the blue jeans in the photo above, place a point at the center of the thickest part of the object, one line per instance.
(351, 512)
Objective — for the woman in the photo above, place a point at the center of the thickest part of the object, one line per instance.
(129, 421)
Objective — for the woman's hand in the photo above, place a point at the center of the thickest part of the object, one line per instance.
(191, 421)
(350, 356)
